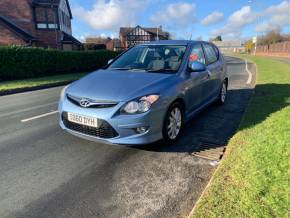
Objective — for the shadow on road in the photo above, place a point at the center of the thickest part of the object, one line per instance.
(217, 124)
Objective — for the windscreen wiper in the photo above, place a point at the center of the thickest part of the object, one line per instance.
(160, 70)
(120, 68)
(127, 68)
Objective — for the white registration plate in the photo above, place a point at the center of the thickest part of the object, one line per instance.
(84, 120)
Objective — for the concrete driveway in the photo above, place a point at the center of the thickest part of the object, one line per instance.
(45, 172)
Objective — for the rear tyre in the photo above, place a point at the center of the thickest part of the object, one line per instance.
(173, 123)
(223, 94)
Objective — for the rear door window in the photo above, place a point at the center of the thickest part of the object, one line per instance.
(210, 53)
(217, 51)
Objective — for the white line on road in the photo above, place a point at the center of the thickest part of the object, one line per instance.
(249, 74)
(39, 116)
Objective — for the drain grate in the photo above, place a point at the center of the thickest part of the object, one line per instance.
(209, 151)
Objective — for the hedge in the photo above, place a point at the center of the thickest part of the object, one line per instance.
(21, 62)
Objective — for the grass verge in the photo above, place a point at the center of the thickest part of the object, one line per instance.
(253, 178)
(29, 83)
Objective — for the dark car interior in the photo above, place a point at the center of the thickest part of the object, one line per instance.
(164, 58)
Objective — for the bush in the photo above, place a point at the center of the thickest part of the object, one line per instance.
(92, 46)
(20, 62)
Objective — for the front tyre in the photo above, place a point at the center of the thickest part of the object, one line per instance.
(223, 94)
(173, 123)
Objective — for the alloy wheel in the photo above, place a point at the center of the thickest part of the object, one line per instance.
(174, 124)
(223, 94)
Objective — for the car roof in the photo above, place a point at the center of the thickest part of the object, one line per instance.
(171, 42)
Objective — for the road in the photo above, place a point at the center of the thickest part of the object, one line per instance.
(45, 172)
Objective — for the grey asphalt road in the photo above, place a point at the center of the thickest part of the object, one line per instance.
(45, 172)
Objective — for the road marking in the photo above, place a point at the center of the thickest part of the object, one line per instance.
(250, 76)
(39, 116)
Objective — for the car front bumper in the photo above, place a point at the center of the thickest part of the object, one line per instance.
(124, 125)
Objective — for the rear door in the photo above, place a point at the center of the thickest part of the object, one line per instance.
(196, 80)
(212, 86)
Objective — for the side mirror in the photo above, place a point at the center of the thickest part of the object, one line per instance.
(110, 61)
(196, 66)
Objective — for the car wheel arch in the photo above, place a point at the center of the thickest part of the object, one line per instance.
(181, 104)
(179, 100)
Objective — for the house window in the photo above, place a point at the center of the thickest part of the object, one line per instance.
(41, 25)
(46, 18)
(52, 26)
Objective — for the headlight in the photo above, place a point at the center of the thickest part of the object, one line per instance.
(63, 92)
(140, 105)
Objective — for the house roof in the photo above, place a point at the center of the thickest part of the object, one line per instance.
(125, 30)
(19, 31)
(46, 1)
(66, 38)
(52, 2)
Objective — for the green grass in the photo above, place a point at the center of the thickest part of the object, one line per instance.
(28, 83)
(253, 179)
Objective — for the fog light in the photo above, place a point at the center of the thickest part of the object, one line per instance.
(142, 129)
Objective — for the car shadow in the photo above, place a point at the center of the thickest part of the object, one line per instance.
(269, 98)
(217, 124)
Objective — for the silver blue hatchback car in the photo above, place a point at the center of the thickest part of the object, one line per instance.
(146, 94)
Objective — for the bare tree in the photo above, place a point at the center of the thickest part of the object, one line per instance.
(270, 38)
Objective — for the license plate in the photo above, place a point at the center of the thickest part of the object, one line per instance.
(84, 120)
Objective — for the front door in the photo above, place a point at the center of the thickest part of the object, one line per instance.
(196, 80)
(212, 86)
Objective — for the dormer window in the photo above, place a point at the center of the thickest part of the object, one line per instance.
(46, 18)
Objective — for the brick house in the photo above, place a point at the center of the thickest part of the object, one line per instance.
(41, 23)
(130, 36)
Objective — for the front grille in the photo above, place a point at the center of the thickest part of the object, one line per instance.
(94, 104)
(105, 130)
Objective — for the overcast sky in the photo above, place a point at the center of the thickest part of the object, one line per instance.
(184, 18)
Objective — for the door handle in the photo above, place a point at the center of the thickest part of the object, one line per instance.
(208, 74)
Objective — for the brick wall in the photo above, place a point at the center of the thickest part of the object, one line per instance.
(20, 13)
(48, 38)
(7, 36)
(281, 49)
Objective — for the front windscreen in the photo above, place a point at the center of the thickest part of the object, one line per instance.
(151, 58)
